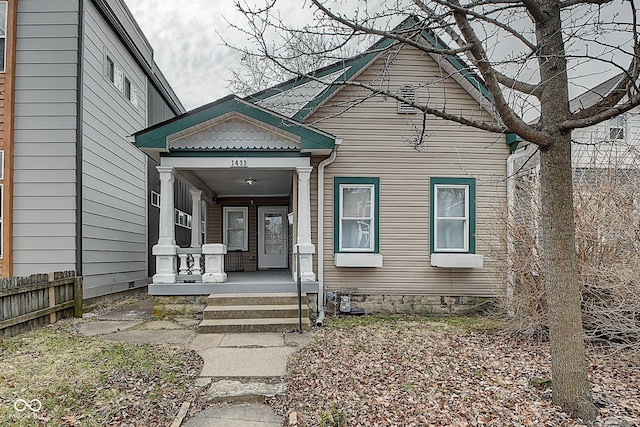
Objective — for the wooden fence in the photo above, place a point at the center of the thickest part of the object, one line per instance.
(29, 302)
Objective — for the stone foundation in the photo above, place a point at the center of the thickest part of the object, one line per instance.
(190, 305)
(183, 305)
(413, 304)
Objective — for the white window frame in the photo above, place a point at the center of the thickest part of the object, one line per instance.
(127, 88)
(182, 219)
(3, 36)
(617, 128)
(110, 69)
(245, 215)
(437, 217)
(155, 199)
(371, 218)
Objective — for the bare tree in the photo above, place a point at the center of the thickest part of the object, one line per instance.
(530, 53)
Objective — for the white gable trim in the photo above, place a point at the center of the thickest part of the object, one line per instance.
(233, 131)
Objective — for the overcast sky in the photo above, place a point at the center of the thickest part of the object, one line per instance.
(187, 45)
(187, 41)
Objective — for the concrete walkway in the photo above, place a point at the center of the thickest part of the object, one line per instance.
(241, 369)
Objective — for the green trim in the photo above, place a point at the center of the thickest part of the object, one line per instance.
(337, 181)
(233, 153)
(352, 67)
(471, 183)
(155, 137)
(513, 140)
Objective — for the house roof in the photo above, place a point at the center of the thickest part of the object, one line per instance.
(594, 95)
(299, 97)
(161, 137)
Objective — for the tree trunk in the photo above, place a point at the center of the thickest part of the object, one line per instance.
(568, 365)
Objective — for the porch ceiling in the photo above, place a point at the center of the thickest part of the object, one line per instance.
(233, 182)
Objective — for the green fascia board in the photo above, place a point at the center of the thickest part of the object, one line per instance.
(471, 182)
(513, 140)
(234, 153)
(337, 181)
(156, 136)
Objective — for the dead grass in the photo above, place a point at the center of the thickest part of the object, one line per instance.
(399, 371)
(85, 381)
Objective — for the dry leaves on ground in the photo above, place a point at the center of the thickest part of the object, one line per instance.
(416, 373)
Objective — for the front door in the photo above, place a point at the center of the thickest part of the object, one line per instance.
(273, 240)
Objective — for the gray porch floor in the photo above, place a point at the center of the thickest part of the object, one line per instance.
(268, 281)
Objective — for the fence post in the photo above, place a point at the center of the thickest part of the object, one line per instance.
(77, 297)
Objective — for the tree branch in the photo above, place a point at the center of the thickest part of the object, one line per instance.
(514, 123)
(569, 3)
(467, 11)
(387, 34)
(534, 9)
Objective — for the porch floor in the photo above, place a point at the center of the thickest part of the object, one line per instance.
(266, 281)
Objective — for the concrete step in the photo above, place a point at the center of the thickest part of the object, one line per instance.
(255, 299)
(219, 326)
(253, 311)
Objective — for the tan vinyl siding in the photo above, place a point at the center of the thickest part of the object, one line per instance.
(375, 145)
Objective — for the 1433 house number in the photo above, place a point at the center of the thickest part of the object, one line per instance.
(239, 163)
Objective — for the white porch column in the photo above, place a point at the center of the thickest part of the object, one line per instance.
(165, 250)
(196, 218)
(304, 245)
(196, 228)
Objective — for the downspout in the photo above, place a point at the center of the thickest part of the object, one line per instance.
(511, 185)
(79, 135)
(326, 162)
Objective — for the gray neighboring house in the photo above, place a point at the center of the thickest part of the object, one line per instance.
(85, 80)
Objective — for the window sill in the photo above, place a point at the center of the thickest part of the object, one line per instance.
(457, 260)
(357, 260)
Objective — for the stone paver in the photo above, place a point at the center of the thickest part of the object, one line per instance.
(178, 337)
(103, 327)
(160, 325)
(252, 340)
(205, 341)
(236, 391)
(246, 415)
(246, 362)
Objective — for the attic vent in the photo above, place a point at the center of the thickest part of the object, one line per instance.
(407, 92)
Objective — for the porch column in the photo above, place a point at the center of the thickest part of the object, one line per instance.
(196, 227)
(165, 250)
(304, 245)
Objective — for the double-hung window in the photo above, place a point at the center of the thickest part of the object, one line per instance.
(453, 216)
(356, 223)
(236, 231)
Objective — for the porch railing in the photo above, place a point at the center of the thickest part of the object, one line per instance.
(204, 264)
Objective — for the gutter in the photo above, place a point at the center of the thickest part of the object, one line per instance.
(511, 185)
(326, 162)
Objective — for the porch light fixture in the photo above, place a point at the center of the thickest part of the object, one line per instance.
(250, 181)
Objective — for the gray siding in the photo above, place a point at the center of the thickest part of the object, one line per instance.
(114, 211)
(45, 134)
